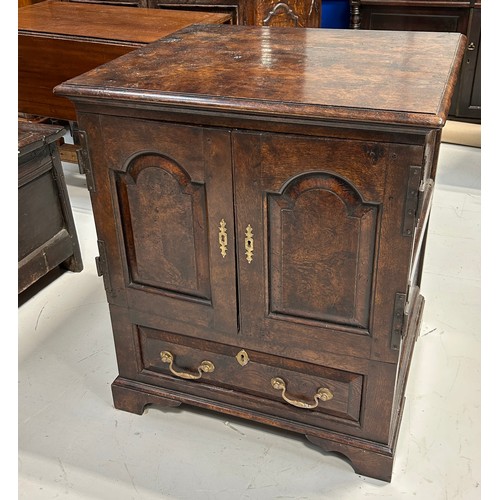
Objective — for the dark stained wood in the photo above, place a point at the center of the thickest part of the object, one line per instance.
(59, 40)
(469, 89)
(283, 79)
(47, 235)
(254, 227)
(436, 16)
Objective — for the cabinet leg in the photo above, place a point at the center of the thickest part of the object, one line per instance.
(131, 399)
(365, 462)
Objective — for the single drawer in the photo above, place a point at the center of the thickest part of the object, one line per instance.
(301, 387)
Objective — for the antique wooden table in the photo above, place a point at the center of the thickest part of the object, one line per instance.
(60, 40)
(261, 199)
(297, 13)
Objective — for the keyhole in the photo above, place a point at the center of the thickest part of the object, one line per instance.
(242, 357)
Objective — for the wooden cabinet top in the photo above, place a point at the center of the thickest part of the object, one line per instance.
(31, 136)
(369, 76)
(108, 22)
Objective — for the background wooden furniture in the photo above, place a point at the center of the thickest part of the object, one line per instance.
(47, 235)
(461, 16)
(23, 3)
(262, 225)
(58, 41)
(303, 13)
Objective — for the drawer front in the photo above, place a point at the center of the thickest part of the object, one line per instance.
(299, 388)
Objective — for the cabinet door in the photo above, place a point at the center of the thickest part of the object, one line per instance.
(164, 213)
(322, 254)
(469, 88)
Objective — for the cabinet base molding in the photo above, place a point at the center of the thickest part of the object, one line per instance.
(367, 462)
(367, 458)
(132, 397)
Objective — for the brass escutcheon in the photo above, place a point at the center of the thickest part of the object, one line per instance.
(242, 357)
(249, 243)
(223, 238)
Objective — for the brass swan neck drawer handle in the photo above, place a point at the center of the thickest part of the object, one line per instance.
(322, 394)
(205, 367)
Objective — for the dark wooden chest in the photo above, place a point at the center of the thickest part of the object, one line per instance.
(47, 235)
(261, 200)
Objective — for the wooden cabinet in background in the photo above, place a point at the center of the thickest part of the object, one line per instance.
(53, 48)
(296, 13)
(262, 225)
(47, 235)
(23, 3)
(460, 16)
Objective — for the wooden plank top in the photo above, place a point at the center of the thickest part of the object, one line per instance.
(31, 136)
(108, 22)
(370, 76)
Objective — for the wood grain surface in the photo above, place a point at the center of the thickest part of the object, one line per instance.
(108, 22)
(390, 77)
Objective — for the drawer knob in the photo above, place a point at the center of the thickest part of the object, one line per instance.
(205, 367)
(323, 394)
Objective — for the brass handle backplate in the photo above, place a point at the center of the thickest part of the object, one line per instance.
(205, 367)
(322, 394)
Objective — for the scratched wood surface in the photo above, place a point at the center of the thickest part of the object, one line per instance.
(355, 75)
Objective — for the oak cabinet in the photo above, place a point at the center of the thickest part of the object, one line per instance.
(262, 233)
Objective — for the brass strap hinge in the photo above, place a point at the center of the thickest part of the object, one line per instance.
(413, 200)
(82, 154)
(101, 264)
(398, 320)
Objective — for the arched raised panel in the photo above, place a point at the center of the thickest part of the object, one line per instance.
(164, 224)
(321, 250)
